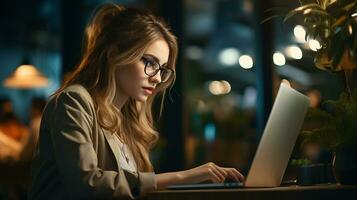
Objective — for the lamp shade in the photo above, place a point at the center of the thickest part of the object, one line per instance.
(26, 77)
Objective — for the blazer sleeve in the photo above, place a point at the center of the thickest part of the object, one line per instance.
(71, 132)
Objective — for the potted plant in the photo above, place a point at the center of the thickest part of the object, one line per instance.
(309, 173)
(333, 23)
(335, 129)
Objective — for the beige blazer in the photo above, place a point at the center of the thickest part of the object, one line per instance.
(77, 159)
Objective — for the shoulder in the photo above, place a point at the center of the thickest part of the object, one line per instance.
(73, 97)
(77, 91)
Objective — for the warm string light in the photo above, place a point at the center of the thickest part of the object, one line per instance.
(293, 51)
(246, 62)
(299, 33)
(219, 87)
(279, 59)
(229, 56)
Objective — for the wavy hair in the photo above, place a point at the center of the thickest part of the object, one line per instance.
(117, 37)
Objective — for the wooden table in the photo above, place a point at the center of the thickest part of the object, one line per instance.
(316, 192)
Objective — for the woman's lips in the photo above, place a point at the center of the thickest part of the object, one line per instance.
(148, 90)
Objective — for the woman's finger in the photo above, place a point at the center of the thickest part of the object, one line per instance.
(215, 169)
(231, 174)
(221, 175)
(237, 174)
(222, 171)
(214, 176)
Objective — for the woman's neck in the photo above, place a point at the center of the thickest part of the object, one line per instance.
(120, 99)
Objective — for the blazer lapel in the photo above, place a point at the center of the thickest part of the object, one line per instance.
(113, 146)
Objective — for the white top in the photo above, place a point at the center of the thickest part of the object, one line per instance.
(126, 158)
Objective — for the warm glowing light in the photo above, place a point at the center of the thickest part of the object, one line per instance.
(26, 70)
(215, 87)
(229, 56)
(219, 87)
(201, 106)
(26, 76)
(299, 33)
(279, 59)
(314, 45)
(226, 87)
(293, 51)
(194, 52)
(246, 61)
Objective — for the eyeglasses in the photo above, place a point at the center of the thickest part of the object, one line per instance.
(152, 68)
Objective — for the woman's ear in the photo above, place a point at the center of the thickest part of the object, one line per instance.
(112, 53)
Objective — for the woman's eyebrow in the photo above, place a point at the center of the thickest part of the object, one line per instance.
(155, 58)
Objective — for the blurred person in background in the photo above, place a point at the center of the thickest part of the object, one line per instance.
(14, 172)
(13, 134)
(37, 106)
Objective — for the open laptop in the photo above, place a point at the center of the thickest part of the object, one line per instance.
(276, 145)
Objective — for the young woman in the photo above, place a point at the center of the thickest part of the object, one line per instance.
(97, 129)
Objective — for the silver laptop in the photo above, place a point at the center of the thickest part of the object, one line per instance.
(276, 145)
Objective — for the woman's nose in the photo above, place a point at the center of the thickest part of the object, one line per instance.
(156, 78)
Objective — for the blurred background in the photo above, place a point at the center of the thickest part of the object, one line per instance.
(229, 69)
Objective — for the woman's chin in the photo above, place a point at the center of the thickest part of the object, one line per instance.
(142, 98)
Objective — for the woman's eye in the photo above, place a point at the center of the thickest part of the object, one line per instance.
(152, 64)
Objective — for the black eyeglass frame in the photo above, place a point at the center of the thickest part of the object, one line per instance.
(160, 68)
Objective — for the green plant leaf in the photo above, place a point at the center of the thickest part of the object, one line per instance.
(274, 12)
(339, 21)
(272, 17)
(336, 106)
(341, 8)
(354, 95)
(317, 12)
(277, 9)
(301, 10)
(324, 3)
(354, 34)
(322, 60)
(337, 50)
(320, 31)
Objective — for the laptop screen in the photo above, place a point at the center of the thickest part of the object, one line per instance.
(279, 137)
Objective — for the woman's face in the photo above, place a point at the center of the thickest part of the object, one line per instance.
(133, 82)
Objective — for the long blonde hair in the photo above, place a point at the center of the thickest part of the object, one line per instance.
(116, 37)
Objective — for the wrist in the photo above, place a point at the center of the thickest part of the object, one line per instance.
(183, 177)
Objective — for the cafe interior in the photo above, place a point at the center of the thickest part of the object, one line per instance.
(233, 55)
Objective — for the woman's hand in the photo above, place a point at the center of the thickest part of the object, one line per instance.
(206, 172)
(211, 172)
